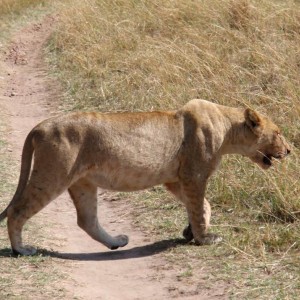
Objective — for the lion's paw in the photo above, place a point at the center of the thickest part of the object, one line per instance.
(24, 250)
(208, 239)
(120, 241)
(187, 233)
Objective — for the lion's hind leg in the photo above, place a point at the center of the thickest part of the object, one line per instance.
(32, 201)
(84, 196)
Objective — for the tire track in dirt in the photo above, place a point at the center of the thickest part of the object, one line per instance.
(138, 271)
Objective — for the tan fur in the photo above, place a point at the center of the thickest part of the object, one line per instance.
(133, 151)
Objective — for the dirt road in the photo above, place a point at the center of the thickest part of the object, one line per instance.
(138, 271)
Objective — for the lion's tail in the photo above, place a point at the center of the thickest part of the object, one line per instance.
(26, 160)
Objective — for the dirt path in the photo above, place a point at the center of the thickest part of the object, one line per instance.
(137, 272)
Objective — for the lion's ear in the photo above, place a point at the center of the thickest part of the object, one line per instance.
(253, 121)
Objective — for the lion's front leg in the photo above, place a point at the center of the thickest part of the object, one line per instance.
(187, 232)
(199, 213)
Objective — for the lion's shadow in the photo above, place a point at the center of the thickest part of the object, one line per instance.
(136, 252)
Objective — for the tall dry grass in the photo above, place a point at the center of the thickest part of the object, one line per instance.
(144, 54)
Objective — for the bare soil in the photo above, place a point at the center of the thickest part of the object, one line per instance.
(138, 271)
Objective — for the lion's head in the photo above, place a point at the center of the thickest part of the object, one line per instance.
(269, 143)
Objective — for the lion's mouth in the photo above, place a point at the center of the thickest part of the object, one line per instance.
(267, 160)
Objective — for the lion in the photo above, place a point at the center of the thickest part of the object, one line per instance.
(82, 151)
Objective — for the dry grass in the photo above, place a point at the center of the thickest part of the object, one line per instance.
(144, 55)
(140, 55)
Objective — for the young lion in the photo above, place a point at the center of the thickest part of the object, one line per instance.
(133, 151)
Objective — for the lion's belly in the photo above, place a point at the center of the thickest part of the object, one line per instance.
(122, 178)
